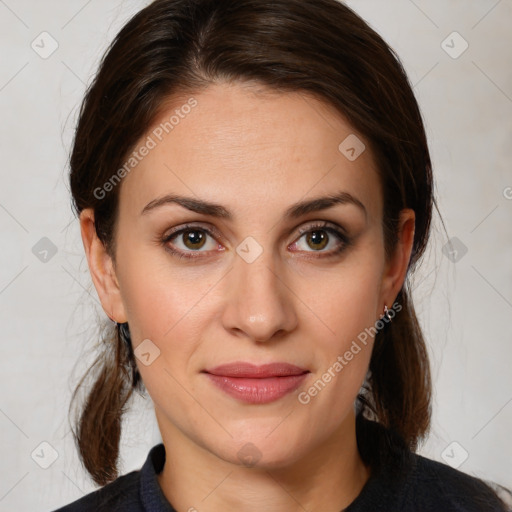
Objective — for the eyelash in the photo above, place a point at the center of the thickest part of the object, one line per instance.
(345, 242)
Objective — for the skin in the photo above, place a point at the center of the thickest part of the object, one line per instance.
(255, 152)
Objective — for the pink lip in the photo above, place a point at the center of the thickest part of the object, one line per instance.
(257, 384)
(251, 371)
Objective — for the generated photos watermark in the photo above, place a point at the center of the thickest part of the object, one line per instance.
(344, 360)
(151, 142)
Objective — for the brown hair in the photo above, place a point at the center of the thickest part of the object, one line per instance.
(321, 47)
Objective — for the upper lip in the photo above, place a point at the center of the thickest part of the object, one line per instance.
(249, 370)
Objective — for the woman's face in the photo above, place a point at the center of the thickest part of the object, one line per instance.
(266, 276)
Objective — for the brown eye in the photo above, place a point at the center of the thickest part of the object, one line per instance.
(317, 239)
(193, 238)
(190, 242)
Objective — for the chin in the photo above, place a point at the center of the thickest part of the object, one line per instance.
(261, 450)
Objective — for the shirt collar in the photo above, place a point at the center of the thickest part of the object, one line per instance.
(382, 484)
(151, 494)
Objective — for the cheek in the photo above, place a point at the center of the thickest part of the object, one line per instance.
(342, 301)
(158, 294)
(169, 307)
(171, 310)
(345, 309)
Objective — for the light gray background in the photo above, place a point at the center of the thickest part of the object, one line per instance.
(49, 309)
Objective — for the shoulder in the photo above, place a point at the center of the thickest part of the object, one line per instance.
(120, 495)
(413, 483)
(402, 480)
(433, 485)
(136, 491)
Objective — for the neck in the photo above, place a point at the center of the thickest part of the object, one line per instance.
(328, 478)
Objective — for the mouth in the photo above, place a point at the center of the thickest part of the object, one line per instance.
(254, 384)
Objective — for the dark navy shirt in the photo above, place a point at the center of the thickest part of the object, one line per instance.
(404, 481)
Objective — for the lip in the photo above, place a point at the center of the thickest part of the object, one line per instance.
(252, 371)
(257, 384)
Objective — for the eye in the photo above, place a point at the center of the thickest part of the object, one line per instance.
(319, 236)
(190, 239)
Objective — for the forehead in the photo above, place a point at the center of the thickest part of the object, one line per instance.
(251, 148)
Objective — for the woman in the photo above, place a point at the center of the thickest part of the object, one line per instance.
(221, 146)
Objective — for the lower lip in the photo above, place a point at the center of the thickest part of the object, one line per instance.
(258, 391)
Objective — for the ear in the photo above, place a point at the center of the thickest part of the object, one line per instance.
(101, 268)
(396, 266)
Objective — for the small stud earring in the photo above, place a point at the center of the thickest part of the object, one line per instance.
(125, 337)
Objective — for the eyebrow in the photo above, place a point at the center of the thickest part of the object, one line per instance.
(216, 210)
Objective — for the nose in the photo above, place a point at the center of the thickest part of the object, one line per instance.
(260, 304)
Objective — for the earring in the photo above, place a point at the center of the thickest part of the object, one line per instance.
(386, 315)
(124, 335)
